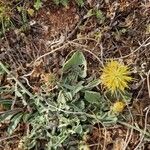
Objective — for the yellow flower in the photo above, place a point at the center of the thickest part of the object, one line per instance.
(115, 76)
(118, 107)
(30, 12)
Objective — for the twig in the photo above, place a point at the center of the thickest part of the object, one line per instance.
(148, 82)
(11, 111)
(86, 50)
(17, 81)
(52, 51)
(27, 81)
(7, 138)
(70, 35)
(85, 38)
(128, 138)
(141, 138)
(141, 45)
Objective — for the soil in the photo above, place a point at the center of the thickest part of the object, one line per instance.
(122, 35)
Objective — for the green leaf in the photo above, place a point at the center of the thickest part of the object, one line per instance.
(109, 119)
(60, 139)
(6, 116)
(93, 97)
(68, 96)
(32, 117)
(126, 96)
(99, 14)
(64, 2)
(1, 71)
(14, 122)
(92, 84)
(83, 118)
(77, 88)
(61, 98)
(18, 94)
(37, 4)
(78, 105)
(56, 2)
(78, 129)
(6, 102)
(80, 2)
(26, 117)
(77, 61)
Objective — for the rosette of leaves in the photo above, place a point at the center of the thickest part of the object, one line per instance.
(64, 116)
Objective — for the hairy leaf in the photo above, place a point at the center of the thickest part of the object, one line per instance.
(92, 97)
(77, 61)
(14, 122)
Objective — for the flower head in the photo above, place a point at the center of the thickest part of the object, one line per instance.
(115, 76)
(118, 107)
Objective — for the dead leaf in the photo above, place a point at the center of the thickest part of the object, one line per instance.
(48, 78)
(2, 108)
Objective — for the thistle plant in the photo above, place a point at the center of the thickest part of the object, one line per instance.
(64, 115)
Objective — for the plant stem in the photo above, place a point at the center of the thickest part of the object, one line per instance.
(135, 128)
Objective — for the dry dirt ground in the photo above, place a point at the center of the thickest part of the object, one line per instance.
(122, 32)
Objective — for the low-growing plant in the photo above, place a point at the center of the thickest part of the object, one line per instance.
(5, 17)
(66, 2)
(8, 9)
(97, 13)
(38, 3)
(61, 118)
